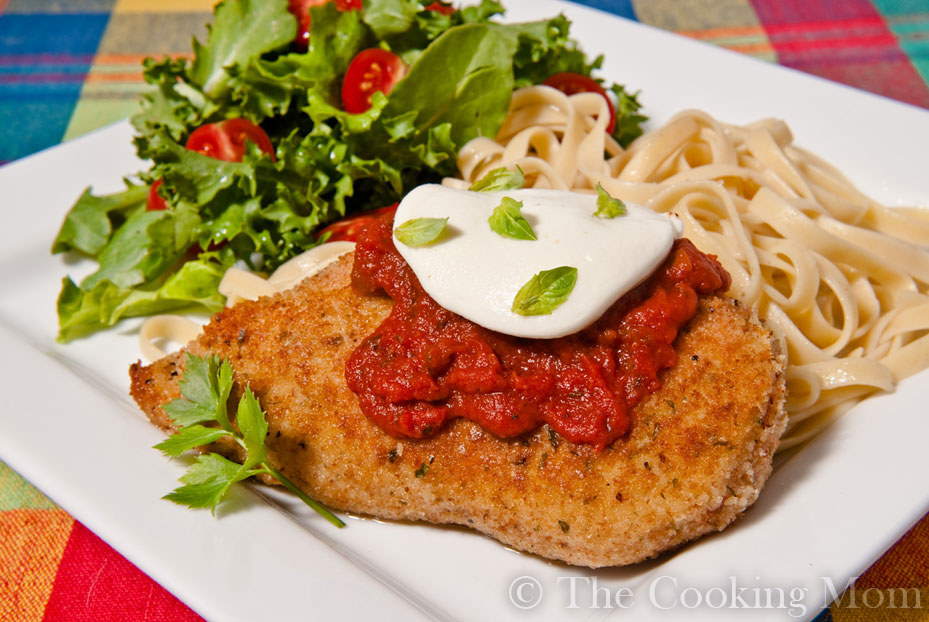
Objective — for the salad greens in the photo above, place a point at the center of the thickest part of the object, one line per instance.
(327, 163)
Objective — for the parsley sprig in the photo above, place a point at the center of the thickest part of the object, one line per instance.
(205, 389)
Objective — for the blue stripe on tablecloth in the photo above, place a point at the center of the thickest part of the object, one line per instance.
(25, 65)
(45, 59)
(39, 33)
(623, 8)
(824, 616)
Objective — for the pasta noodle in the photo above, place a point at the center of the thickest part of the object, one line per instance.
(840, 279)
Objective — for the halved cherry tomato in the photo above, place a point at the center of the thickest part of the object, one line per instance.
(438, 7)
(226, 140)
(301, 10)
(572, 83)
(371, 70)
(155, 201)
(346, 230)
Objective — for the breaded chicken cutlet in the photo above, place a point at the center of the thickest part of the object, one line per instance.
(696, 455)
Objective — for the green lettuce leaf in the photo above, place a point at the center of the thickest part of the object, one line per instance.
(628, 119)
(390, 17)
(193, 286)
(242, 29)
(144, 248)
(173, 105)
(91, 221)
(470, 91)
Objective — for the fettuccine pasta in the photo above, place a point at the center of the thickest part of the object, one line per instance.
(840, 279)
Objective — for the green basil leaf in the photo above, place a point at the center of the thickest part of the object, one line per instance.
(500, 179)
(607, 206)
(508, 221)
(420, 231)
(545, 291)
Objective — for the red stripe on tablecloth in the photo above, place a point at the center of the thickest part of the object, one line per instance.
(846, 41)
(881, 44)
(865, 35)
(780, 12)
(42, 78)
(96, 584)
(839, 25)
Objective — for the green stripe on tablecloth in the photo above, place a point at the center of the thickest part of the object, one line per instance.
(89, 115)
(913, 33)
(114, 82)
(17, 494)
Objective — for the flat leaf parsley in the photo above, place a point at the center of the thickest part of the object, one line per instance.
(205, 389)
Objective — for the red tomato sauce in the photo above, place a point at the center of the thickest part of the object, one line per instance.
(425, 365)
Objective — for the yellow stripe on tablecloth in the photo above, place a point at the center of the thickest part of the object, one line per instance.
(895, 588)
(731, 24)
(163, 6)
(882, 605)
(32, 543)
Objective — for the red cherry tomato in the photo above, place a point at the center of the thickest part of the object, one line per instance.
(346, 230)
(438, 7)
(226, 140)
(371, 70)
(301, 10)
(573, 83)
(155, 200)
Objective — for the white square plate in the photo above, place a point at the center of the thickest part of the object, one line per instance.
(68, 425)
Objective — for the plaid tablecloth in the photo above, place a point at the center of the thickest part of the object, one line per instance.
(70, 66)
